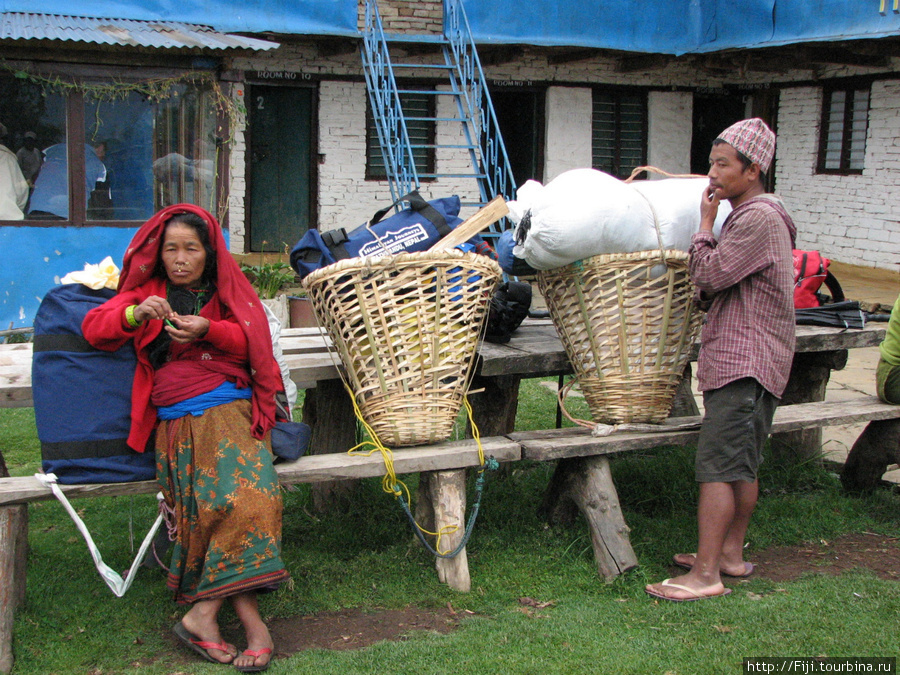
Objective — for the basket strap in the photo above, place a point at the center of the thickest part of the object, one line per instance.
(652, 169)
(659, 241)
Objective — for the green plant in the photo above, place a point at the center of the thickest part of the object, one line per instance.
(268, 278)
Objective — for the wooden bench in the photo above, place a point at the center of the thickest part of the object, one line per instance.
(582, 476)
(442, 487)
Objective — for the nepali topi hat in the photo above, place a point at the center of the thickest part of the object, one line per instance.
(753, 139)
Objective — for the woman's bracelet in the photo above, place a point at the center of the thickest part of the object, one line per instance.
(129, 316)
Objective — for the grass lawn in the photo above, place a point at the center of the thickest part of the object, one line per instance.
(363, 557)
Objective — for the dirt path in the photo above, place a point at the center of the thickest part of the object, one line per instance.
(359, 628)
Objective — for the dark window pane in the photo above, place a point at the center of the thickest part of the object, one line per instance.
(845, 114)
(420, 132)
(618, 137)
(26, 109)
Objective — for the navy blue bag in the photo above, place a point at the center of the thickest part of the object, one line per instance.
(82, 395)
(415, 228)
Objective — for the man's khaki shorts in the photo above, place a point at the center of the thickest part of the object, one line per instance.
(736, 424)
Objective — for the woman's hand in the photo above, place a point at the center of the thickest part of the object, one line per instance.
(153, 307)
(186, 329)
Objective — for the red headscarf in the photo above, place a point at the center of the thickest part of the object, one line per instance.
(233, 291)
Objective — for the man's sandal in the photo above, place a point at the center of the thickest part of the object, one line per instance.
(695, 595)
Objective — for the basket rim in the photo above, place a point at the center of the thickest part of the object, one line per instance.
(656, 255)
(373, 263)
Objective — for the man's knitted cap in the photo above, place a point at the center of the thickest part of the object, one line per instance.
(753, 139)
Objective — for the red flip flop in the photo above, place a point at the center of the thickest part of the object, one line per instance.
(254, 653)
(201, 647)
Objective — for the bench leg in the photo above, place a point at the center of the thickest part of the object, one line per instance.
(877, 447)
(13, 557)
(809, 377)
(587, 483)
(494, 409)
(329, 411)
(442, 503)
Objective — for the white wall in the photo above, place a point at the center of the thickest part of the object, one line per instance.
(854, 219)
(568, 130)
(669, 130)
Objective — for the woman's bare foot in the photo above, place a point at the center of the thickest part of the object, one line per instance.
(259, 642)
(201, 622)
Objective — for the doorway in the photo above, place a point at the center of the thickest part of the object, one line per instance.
(280, 166)
(713, 113)
(520, 116)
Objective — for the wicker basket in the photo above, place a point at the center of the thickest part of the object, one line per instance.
(406, 328)
(628, 322)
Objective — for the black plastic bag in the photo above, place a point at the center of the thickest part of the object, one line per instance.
(509, 307)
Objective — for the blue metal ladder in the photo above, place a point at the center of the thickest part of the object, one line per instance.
(489, 164)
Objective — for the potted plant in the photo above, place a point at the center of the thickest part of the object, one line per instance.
(269, 279)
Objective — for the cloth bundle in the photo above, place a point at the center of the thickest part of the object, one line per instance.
(585, 212)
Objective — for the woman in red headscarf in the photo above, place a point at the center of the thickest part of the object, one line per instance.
(206, 380)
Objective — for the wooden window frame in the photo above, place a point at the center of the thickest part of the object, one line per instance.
(373, 142)
(850, 89)
(74, 105)
(618, 94)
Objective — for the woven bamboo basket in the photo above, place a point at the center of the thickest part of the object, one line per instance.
(406, 328)
(628, 322)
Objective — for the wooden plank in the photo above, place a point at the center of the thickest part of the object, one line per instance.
(308, 469)
(578, 442)
(308, 344)
(490, 213)
(535, 349)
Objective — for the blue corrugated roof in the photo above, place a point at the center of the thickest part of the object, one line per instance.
(126, 32)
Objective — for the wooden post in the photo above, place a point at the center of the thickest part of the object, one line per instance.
(494, 408)
(684, 404)
(876, 448)
(809, 378)
(329, 411)
(446, 494)
(587, 483)
(13, 560)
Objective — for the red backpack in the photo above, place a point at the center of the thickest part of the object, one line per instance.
(810, 272)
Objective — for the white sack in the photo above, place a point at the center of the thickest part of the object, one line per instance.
(585, 212)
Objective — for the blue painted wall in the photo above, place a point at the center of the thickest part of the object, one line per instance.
(36, 258)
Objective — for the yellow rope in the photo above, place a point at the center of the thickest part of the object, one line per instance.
(390, 482)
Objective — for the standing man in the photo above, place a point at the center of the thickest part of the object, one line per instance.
(13, 186)
(30, 158)
(745, 278)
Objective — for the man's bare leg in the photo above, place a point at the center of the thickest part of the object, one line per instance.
(716, 512)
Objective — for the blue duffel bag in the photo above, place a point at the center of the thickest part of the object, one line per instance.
(416, 228)
(82, 395)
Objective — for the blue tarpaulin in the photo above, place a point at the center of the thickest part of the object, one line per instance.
(299, 17)
(678, 26)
